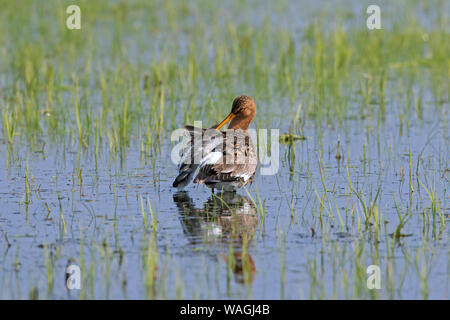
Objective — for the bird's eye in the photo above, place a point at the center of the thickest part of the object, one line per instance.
(240, 109)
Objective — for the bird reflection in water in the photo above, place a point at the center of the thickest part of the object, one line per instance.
(226, 218)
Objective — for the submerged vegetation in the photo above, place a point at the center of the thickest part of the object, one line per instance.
(86, 118)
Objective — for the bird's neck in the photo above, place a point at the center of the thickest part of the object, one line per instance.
(240, 123)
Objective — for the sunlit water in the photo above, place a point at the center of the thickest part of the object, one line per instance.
(194, 229)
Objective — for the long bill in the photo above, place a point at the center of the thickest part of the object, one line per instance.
(226, 120)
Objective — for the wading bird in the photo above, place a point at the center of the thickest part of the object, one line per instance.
(220, 160)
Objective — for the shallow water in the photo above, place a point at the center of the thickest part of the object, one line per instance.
(300, 233)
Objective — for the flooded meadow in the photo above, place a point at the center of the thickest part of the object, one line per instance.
(363, 171)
